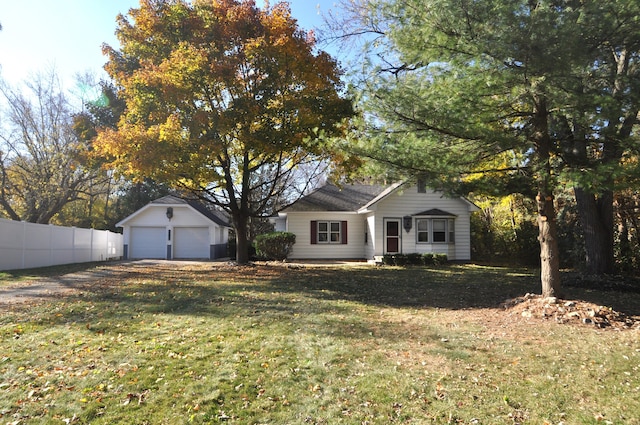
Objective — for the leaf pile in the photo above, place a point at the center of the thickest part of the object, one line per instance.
(569, 312)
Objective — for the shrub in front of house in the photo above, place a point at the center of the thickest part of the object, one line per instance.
(439, 259)
(387, 260)
(414, 259)
(400, 259)
(275, 245)
(427, 259)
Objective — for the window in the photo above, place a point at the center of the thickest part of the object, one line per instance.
(452, 236)
(422, 185)
(439, 230)
(422, 228)
(435, 230)
(329, 232)
(332, 232)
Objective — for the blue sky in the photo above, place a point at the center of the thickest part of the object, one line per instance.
(66, 35)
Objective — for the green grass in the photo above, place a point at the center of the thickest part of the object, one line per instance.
(257, 345)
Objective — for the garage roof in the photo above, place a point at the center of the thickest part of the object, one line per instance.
(218, 217)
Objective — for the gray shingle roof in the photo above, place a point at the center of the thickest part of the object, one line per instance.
(218, 217)
(348, 197)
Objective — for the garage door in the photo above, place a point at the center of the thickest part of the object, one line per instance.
(191, 242)
(148, 242)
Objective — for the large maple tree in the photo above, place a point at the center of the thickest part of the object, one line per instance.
(226, 100)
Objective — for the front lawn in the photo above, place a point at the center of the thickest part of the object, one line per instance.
(182, 343)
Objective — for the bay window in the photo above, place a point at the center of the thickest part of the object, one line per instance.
(435, 230)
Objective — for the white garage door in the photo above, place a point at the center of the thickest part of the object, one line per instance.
(191, 242)
(148, 242)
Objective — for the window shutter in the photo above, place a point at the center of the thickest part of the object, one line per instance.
(343, 232)
(314, 232)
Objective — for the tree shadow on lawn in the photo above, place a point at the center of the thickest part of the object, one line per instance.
(182, 288)
(453, 287)
(459, 287)
(449, 287)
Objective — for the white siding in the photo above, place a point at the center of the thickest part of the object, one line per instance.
(369, 247)
(407, 201)
(279, 224)
(184, 217)
(300, 224)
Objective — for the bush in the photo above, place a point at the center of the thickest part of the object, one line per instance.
(387, 260)
(439, 259)
(275, 245)
(400, 259)
(415, 259)
(427, 259)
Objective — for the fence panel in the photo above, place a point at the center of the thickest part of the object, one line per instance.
(63, 252)
(82, 245)
(27, 245)
(11, 244)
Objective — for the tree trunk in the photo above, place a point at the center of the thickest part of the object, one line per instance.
(548, 238)
(547, 226)
(242, 238)
(596, 218)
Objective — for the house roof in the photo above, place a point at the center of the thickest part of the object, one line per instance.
(355, 198)
(218, 217)
(381, 196)
(348, 197)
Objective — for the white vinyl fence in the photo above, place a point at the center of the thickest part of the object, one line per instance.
(26, 245)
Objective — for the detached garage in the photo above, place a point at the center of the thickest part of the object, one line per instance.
(174, 228)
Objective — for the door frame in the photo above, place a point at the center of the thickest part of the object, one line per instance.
(385, 236)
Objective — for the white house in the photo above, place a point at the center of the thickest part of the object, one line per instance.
(368, 221)
(175, 228)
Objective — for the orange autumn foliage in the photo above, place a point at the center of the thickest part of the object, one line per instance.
(220, 94)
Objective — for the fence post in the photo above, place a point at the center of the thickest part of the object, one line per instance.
(73, 244)
(24, 243)
(51, 242)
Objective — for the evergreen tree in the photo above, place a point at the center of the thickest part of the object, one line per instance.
(513, 95)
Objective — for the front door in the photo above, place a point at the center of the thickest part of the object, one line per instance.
(392, 236)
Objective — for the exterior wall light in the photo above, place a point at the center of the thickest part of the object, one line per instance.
(407, 222)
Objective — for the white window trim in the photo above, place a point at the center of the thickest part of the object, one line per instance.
(329, 232)
(449, 223)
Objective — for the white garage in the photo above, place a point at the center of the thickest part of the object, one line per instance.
(175, 228)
